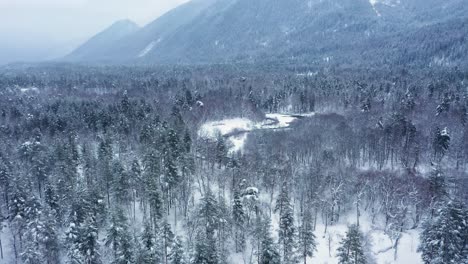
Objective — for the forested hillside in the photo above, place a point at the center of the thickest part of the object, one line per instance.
(110, 165)
(356, 33)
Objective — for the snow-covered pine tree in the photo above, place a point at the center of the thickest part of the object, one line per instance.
(48, 236)
(177, 254)
(437, 189)
(441, 143)
(119, 238)
(89, 246)
(307, 241)
(85, 246)
(238, 217)
(121, 185)
(171, 151)
(444, 239)
(147, 253)
(221, 150)
(152, 189)
(40, 242)
(5, 177)
(351, 249)
(168, 239)
(205, 248)
(105, 157)
(287, 230)
(269, 252)
(2, 218)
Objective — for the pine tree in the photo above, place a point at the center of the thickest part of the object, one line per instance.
(205, 249)
(49, 238)
(119, 238)
(88, 242)
(151, 185)
(52, 200)
(177, 255)
(441, 143)
(444, 238)
(168, 239)
(5, 177)
(40, 239)
(287, 230)
(83, 242)
(121, 183)
(351, 249)
(269, 252)
(307, 240)
(437, 189)
(171, 159)
(105, 156)
(221, 150)
(147, 254)
(238, 216)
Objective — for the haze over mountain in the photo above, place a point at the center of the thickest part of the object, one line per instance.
(38, 30)
(313, 31)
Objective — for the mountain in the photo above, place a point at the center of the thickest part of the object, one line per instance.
(420, 32)
(98, 45)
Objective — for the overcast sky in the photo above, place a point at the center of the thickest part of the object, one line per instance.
(37, 29)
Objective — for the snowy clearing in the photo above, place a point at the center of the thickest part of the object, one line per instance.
(236, 129)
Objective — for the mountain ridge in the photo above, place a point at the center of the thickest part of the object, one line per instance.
(314, 31)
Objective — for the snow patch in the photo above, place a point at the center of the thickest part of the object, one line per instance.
(225, 127)
(236, 129)
(148, 48)
(29, 89)
(373, 4)
(211, 130)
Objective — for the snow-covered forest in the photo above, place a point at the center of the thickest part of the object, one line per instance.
(214, 165)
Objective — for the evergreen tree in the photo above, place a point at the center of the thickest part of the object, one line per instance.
(287, 231)
(205, 249)
(83, 242)
(444, 238)
(49, 237)
(5, 177)
(168, 239)
(441, 143)
(307, 240)
(221, 150)
(351, 249)
(269, 252)
(147, 254)
(238, 216)
(52, 200)
(119, 238)
(40, 239)
(171, 159)
(121, 183)
(88, 242)
(437, 189)
(177, 255)
(105, 156)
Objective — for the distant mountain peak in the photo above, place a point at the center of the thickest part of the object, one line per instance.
(124, 23)
(99, 44)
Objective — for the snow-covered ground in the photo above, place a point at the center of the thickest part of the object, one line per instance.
(380, 244)
(236, 129)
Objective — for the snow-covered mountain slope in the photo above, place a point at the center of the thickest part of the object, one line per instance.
(319, 31)
(109, 37)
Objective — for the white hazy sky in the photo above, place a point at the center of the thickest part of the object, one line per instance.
(54, 27)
